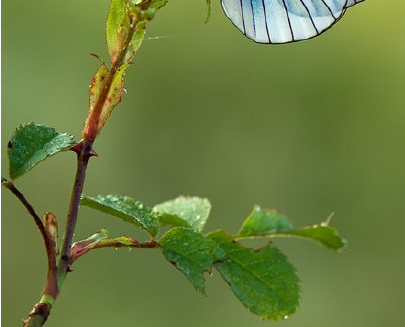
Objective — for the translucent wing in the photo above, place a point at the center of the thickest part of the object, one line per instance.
(282, 21)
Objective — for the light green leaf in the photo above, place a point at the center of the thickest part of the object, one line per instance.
(136, 41)
(263, 222)
(184, 212)
(191, 253)
(267, 223)
(114, 95)
(116, 16)
(32, 143)
(323, 234)
(96, 87)
(121, 14)
(156, 4)
(126, 208)
(263, 280)
(208, 14)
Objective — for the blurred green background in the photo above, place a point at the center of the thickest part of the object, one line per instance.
(308, 128)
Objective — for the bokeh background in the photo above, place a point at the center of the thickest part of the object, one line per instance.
(308, 128)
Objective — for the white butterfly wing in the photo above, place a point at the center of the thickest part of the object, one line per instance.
(282, 21)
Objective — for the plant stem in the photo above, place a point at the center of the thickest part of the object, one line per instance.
(84, 152)
(49, 239)
(30, 209)
(57, 274)
(39, 314)
(82, 247)
(92, 127)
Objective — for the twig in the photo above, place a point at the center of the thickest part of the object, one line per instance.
(29, 207)
(82, 247)
(84, 152)
(41, 310)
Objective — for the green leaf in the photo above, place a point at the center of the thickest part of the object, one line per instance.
(267, 223)
(263, 280)
(32, 143)
(96, 87)
(191, 253)
(116, 16)
(121, 14)
(263, 222)
(136, 41)
(208, 14)
(114, 95)
(184, 211)
(156, 4)
(126, 208)
(323, 234)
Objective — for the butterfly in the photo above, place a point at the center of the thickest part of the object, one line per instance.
(283, 21)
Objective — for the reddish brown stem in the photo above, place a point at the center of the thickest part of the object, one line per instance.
(50, 241)
(91, 128)
(30, 209)
(81, 248)
(84, 151)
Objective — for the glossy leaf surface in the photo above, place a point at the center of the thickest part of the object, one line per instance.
(263, 280)
(323, 234)
(125, 208)
(32, 143)
(262, 222)
(184, 211)
(267, 223)
(191, 253)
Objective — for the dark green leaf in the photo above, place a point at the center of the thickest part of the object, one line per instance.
(263, 280)
(126, 208)
(191, 253)
(184, 212)
(32, 143)
(263, 222)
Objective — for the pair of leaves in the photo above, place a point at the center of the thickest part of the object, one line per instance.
(125, 32)
(267, 223)
(125, 15)
(191, 212)
(263, 280)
